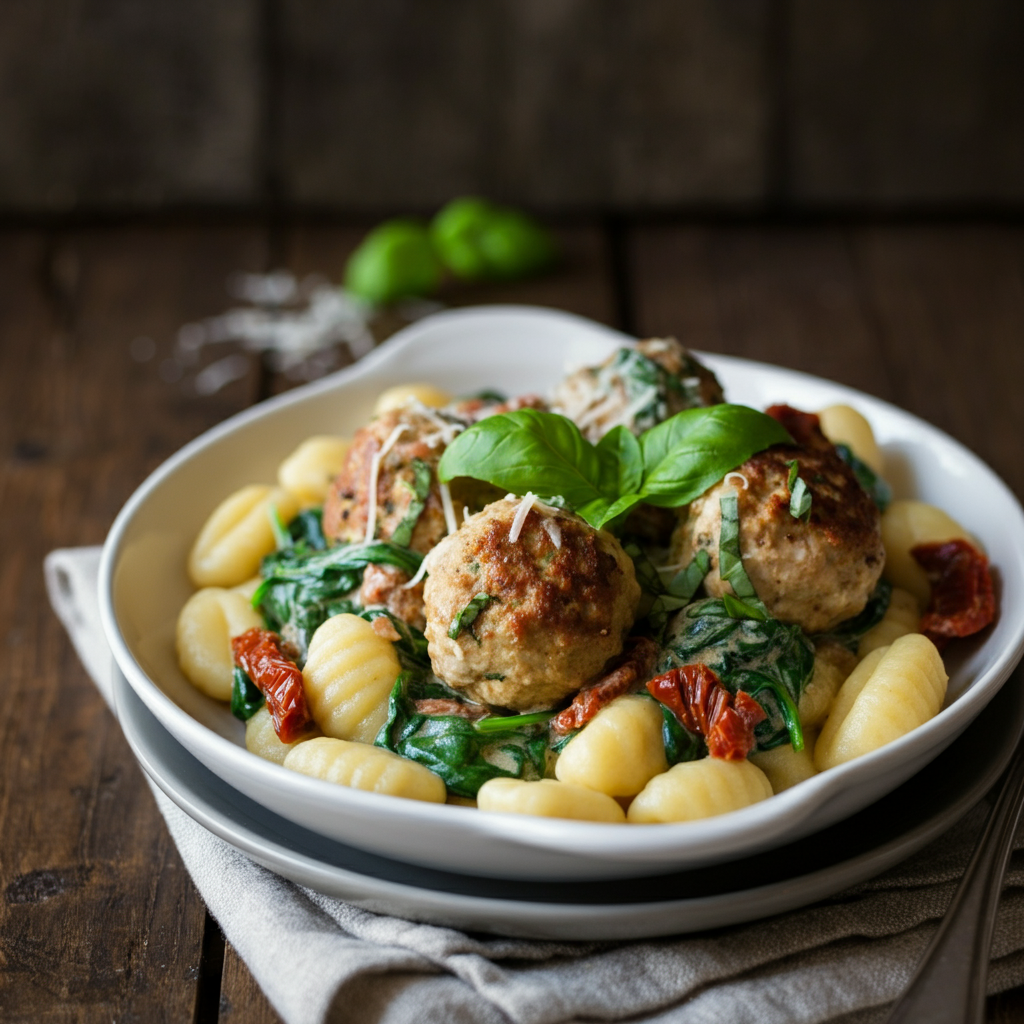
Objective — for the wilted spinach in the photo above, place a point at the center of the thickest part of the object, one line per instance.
(455, 748)
(303, 587)
(848, 633)
(246, 698)
(764, 657)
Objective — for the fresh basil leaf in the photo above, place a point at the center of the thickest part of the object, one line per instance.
(621, 461)
(420, 488)
(465, 618)
(694, 449)
(528, 450)
(246, 698)
(876, 487)
(738, 609)
(799, 494)
(730, 564)
(602, 512)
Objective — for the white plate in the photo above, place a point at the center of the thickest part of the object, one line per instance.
(772, 882)
(143, 585)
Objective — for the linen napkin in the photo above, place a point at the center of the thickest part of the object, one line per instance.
(319, 959)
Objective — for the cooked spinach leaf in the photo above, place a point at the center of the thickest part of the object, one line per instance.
(411, 645)
(454, 747)
(465, 618)
(848, 633)
(877, 488)
(246, 698)
(302, 588)
(307, 529)
(746, 653)
(420, 488)
(680, 743)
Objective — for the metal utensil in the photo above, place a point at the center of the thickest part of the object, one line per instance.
(950, 982)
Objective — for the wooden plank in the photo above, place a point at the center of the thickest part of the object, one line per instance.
(241, 1000)
(107, 105)
(788, 296)
(99, 919)
(560, 106)
(919, 102)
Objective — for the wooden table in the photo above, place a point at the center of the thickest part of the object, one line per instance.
(98, 920)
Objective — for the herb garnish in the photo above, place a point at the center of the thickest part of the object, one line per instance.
(667, 466)
(420, 488)
(876, 487)
(743, 602)
(465, 618)
(799, 494)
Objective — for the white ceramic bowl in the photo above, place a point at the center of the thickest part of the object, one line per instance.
(143, 586)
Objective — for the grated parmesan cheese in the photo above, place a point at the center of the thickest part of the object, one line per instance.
(371, 512)
(739, 476)
(554, 531)
(522, 511)
(449, 509)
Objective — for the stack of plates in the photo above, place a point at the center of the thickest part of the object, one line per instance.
(423, 860)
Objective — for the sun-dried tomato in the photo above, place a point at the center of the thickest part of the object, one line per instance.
(638, 662)
(444, 706)
(259, 652)
(962, 601)
(696, 696)
(803, 427)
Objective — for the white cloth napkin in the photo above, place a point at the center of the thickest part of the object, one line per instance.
(320, 959)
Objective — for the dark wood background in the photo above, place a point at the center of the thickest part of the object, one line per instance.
(98, 918)
(734, 105)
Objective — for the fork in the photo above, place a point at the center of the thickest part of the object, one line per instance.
(950, 982)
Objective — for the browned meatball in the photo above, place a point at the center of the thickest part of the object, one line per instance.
(559, 602)
(421, 444)
(638, 387)
(815, 573)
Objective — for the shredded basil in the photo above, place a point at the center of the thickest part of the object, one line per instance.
(465, 618)
(730, 564)
(879, 491)
(685, 582)
(799, 493)
(659, 600)
(420, 489)
(246, 698)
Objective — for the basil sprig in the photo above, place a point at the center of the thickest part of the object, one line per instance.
(667, 466)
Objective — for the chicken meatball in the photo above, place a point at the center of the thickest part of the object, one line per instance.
(521, 612)
(815, 571)
(407, 507)
(638, 387)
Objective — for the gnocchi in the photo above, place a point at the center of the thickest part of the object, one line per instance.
(238, 535)
(261, 739)
(206, 624)
(548, 798)
(348, 677)
(309, 471)
(401, 394)
(361, 766)
(842, 424)
(699, 789)
(901, 617)
(619, 751)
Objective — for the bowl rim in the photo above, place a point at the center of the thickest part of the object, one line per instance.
(783, 810)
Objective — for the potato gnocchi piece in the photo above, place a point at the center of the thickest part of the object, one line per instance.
(699, 789)
(905, 524)
(892, 691)
(238, 535)
(310, 470)
(206, 624)
(619, 751)
(903, 616)
(362, 766)
(842, 424)
(784, 766)
(548, 798)
(832, 664)
(262, 740)
(400, 394)
(349, 674)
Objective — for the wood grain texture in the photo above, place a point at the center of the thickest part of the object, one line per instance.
(241, 1000)
(125, 105)
(909, 103)
(98, 918)
(557, 104)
